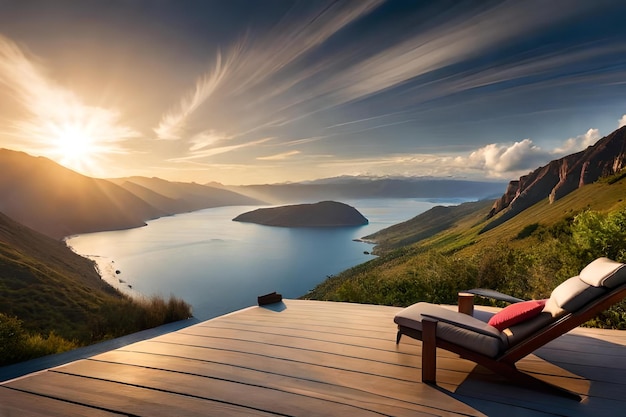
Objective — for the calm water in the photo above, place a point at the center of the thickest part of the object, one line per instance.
(219, 265)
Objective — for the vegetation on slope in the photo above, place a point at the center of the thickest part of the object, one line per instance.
(435, 220)
(52, 299)
(527, 256)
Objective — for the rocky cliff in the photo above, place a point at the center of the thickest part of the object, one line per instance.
(562, 176)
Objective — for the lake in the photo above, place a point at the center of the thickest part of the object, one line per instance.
(219, 266)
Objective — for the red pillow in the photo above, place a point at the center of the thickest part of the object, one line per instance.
(516, 313)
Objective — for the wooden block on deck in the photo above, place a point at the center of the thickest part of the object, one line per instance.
(270, 298)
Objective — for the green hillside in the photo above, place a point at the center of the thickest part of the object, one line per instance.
(526, 256)
(52, 299)
(438, 219)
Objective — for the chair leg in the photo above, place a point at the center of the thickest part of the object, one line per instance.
(429, 350)
(398, 336)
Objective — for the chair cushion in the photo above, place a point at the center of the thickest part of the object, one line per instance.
(572, 294)
(520, 331)
(516, 313)
(458, 328)
(604, 272)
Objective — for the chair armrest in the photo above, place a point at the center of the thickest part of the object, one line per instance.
(496, 295)
(432, 317)
(466, 303)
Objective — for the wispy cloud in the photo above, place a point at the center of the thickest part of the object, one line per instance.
(249, 70)
(303, 141)
(207, 139)
(622, 121)
(173, 123)
(267, 86)
(456, 40)
(278, 157)
(296, 36)
(207, 152)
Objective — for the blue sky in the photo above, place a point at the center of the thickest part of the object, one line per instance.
(267, 91)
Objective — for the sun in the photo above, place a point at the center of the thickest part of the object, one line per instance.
(75, 146)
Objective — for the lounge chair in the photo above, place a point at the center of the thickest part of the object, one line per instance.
(517, 330)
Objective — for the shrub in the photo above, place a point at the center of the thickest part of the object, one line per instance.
(12, 339)
(597, 234)
(16, 344)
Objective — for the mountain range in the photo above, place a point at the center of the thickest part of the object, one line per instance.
(59, 202)
(360, 187)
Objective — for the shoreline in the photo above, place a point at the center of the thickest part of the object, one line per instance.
(105, 268)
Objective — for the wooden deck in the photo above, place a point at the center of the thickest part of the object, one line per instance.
(308, 358)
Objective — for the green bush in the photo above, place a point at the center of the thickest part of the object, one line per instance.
(12, 339)
(17, 345)
(598, 234)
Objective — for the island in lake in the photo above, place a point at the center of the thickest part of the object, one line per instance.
(322, 214)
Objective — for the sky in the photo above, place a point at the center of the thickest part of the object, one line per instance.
(272, 91)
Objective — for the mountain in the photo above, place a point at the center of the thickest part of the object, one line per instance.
(371, 187)
(58, 202)
(562, 176)
(322, 214)
(179, 197)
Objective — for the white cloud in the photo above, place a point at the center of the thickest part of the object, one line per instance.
(578, 143)
(622, 121)
(499, 160)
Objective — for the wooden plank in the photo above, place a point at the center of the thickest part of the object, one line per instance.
(256, 395)
(17, 403)
(126, 398)
(371, 349)
(363, 393)
(282, 336)
(382, 333)
(212, 351)
(340, 382)
(452, 378)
